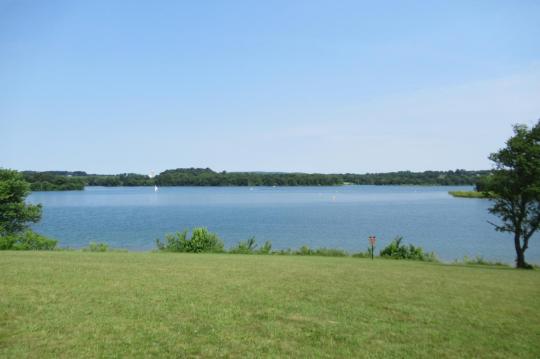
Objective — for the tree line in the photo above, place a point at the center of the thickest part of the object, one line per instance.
(65, 180)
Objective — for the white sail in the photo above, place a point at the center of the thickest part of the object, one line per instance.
(156, 188)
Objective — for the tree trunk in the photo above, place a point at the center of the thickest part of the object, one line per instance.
(520, 252)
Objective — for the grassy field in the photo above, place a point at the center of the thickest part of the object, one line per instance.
(469, 194)
(74, 304)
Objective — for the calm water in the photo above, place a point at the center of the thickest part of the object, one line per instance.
(340, 217)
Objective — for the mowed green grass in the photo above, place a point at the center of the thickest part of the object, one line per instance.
(74, 304)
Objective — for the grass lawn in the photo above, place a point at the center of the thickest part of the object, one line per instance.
(75, 304)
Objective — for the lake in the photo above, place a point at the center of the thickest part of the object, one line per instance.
(340, 217)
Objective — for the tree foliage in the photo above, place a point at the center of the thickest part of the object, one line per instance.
(54, 181)
(15, 213)
(27, 241)
(516, 184)
(207, 177)
(63, 180)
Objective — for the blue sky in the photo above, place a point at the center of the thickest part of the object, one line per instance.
(313, 86)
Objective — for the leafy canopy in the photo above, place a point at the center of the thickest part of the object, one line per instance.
(516, 185)
(15, 214)
(516, 181)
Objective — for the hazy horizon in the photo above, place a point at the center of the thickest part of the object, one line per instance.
(314, 87)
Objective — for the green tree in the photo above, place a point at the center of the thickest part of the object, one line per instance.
(15, 214)
(515, 183)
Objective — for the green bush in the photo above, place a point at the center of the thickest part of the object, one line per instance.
(325, 252)
(266, 248)
(396, 250)
(6, 242)
(27, 241)
(176, 242)
(304, 251)
(96, 247)
(249, 246)
(201, 240)
(245, 247)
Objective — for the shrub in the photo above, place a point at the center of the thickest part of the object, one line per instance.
(304, 251)
(396, 250)
(245, 247)
(201, 240)
(173, 242)
(325, 252)
(6, 242)
(96, 247)
(27, 241)
(266, 248)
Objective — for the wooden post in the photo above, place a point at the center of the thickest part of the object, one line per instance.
(372, 240)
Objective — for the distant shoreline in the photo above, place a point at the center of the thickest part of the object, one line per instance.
(205, 177)
(280, 186)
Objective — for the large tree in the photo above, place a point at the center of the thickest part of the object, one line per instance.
(15, 213)
(515, 183)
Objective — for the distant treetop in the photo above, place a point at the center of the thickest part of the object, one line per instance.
(65, 180)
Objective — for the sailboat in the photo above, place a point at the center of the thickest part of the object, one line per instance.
(156, 188)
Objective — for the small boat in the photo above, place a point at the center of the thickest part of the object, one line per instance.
(156, 188)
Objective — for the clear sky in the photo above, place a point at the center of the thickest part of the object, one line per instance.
(313, 86)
